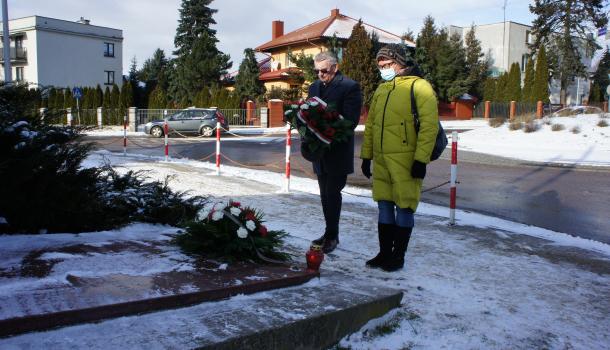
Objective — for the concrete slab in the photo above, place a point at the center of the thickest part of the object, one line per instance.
(310, 316)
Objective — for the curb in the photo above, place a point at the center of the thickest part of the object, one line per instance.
(18, 325)
(317, 332)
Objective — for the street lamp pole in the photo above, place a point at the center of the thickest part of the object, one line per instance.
(6, 42)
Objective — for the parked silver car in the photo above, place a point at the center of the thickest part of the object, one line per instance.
(189, 120)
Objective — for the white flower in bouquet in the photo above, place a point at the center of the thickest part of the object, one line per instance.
(235, 211)
(313, 103)
(202, 214)
(219, 206)
(294, 106)
(217, 215)
(304, 106)
(242, 232)
(250, 225)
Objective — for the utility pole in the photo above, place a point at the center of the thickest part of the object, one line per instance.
(7, 43)
(503, 34)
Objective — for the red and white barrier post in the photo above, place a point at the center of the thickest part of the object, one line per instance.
(288, 146)
(217, 148)
(454, 143)
(166, 132)
(124, 135)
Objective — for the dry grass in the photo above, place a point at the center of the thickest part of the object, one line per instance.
(557, 127)
(531, 126)
(496, 122)
(575, 130)
(515, 125)
(602, 123)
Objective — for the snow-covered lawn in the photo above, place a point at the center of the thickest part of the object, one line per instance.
(485, 283)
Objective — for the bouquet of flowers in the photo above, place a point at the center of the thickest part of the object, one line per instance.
(319, 124)
(233, 232)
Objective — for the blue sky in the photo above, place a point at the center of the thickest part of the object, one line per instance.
(151, 24)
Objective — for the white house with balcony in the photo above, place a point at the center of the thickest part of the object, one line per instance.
(48, 51)
(507, 42)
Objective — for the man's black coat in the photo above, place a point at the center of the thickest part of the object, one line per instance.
(345, 95)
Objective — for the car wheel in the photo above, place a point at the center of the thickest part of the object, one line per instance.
(206, 131)
(156, 131)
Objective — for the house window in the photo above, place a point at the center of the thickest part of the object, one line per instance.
(528, 37)
(19, 42)
(18, 73)
(109, 77)
(108, 49)
(524, 59)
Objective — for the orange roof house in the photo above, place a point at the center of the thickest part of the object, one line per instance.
(310, 40)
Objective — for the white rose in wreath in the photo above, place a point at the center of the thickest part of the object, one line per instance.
(219, 206)
(242, 232)
(235, 211)
(304, 106)
(217, 215)
(250, 225)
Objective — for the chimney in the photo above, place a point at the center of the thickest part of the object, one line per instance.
(277, 29)
(334, 13)
(83, 20)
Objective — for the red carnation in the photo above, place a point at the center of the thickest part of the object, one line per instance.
(250, 215)
(235, 204)
(330, 132)
(320, 108)
(263, 230)
(313, 122)
(305, 113)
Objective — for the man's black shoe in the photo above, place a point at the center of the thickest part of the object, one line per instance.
(329, 245)
(320, 240)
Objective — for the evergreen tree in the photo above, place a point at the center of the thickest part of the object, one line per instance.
(69, 100)
(500, 93)
(565, 24)
(359, 62)
(408, 35)
(600, 81)
(476, 65)
(199, 63)
(528, 81)
(513, 84)
(106, 102)
(99, 97)
(115, 105)
(451, 77)
(126, 99)
(306, 66)
(428, 42)
(158, 98)
(52, 100)
(489, 89)
(540, 90)
(154, 69)
(334, 46)
(247, 84)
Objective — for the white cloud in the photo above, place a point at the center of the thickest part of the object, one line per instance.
(151, 24)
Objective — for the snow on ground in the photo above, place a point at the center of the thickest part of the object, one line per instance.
(485, 283)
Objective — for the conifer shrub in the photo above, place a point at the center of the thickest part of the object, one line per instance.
(575, 130)
(530, 126)
(46, 188)
(602, 123)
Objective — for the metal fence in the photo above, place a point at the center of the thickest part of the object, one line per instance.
(235, 117)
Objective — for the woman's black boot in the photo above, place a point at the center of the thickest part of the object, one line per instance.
(385, 233)
(401, 242)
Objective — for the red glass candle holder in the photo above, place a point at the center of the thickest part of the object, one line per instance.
(314, 257)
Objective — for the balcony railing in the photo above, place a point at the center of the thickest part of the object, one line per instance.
(18, 54)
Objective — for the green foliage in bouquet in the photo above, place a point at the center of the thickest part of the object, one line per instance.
(319, 124)
(232, 232)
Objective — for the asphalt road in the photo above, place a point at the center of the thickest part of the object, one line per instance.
(572, 200)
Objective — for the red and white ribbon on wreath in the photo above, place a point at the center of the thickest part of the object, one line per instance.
(315, 131)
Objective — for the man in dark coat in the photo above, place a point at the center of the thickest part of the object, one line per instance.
(332, 169)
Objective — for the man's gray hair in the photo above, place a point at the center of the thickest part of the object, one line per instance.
(326, 56)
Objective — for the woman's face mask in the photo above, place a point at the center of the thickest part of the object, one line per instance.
(387, 74)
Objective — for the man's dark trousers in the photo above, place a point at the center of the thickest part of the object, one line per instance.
(330, 195)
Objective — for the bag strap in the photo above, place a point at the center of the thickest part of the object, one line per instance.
(414, 107)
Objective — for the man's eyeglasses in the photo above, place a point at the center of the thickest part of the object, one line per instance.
(323, 71)
(386, 65)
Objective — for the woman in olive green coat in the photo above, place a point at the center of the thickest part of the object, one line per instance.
(398, 152)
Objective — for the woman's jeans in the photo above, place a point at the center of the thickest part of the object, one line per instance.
(390, 213)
